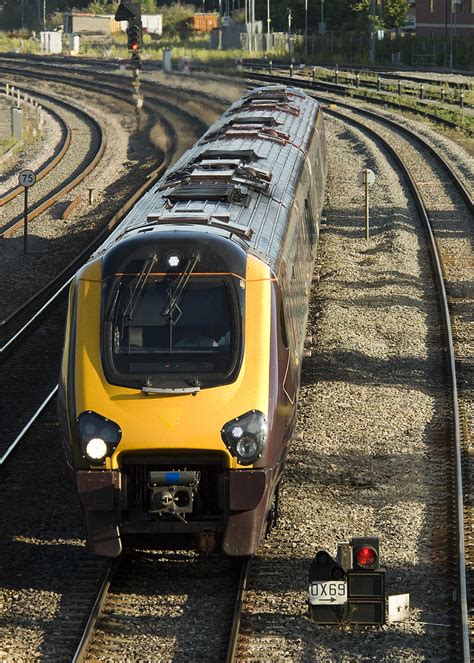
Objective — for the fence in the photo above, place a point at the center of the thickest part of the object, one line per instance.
(405, 49)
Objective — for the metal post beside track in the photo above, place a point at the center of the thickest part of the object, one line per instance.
(26, 179)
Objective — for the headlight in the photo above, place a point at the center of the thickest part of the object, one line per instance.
(99, 436)
(96, 449)
(245, 436)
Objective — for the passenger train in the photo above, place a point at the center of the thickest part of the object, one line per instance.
(185, 334)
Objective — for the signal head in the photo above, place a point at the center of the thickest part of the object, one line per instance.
(134, 34)
(365, 553)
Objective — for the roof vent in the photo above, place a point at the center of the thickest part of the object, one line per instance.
(221, 221)
(242, 155)
(218, 191)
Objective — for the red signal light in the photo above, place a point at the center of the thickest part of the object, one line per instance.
(134, 46)
(366, 557)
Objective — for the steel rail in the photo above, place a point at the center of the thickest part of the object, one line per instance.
(233, 643)
(30, 423)
(50, 163)
(31, 320)
(376, 71)
(467, 197)
(81, 651)
(437, 264)
(58, 285)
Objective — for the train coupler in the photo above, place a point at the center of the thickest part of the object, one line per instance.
(172, 492)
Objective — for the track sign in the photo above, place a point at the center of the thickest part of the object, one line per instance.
(366, 176)
(327, 594)
(26, 178)
(128, 10)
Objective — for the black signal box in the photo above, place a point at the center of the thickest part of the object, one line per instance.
(366, 596)
(366, 585)
(134, 34)
(349, 589)
(324, 567)
(126, 11)
(370, 613)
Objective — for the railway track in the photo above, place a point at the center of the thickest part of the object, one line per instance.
(353, 92)
(454, 300)
(58, 178)
(56, 156)
(409, 76)
(146, 604)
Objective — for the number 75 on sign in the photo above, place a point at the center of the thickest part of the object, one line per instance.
(26, 178)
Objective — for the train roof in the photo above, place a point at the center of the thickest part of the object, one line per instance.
(239, 178)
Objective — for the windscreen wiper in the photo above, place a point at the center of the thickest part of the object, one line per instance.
(177, 295)
(138, 288)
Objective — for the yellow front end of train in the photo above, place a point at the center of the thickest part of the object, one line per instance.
(169, 479)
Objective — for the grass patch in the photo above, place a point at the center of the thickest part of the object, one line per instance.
(18, 44)
(462, 120)
(7, 144)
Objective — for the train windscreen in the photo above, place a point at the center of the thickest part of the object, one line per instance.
(160, 328)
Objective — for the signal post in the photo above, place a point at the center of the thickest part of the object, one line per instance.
(132, 13)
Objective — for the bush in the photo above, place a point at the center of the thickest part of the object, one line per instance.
(177, 20)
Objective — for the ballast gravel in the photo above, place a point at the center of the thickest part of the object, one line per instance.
(29, 155)
(369, 409)
(370, 405)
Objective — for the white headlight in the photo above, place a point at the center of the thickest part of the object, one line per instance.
(96, 448)
(173, 260)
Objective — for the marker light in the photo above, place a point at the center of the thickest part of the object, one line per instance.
(366, 557)
(245, 436)
(98, 436)
(173, 260)
(96, 449)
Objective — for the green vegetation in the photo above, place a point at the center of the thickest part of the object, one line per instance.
(6, 145)
(339, 14)
(346, 39)
(462, 120)
(195, 48)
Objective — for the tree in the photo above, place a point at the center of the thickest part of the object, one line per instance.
(392, 14)
(396, 13)
(176, 19)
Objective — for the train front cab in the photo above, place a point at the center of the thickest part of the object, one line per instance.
(172, 476)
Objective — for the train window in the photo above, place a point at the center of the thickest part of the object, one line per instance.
(159, 331)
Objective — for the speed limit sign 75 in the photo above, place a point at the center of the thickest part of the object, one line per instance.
(27, 178)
